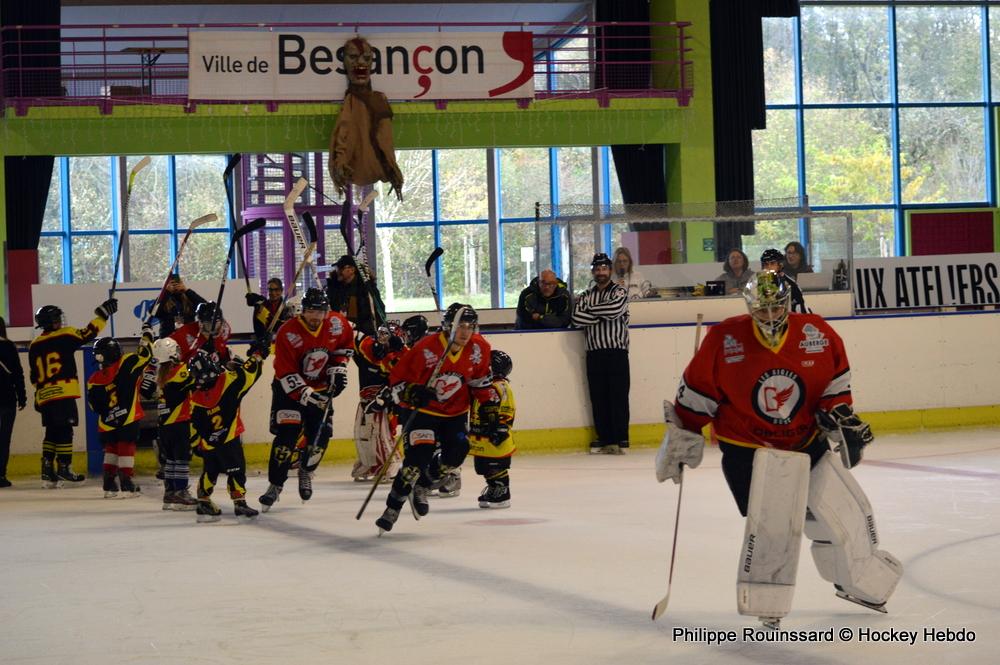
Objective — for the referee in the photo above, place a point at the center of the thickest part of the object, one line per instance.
(602, 311)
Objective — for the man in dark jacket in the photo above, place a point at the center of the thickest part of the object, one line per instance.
(546, 303)
(355, 296)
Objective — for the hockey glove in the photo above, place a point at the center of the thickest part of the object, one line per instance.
(418, 395)
(338, 379)
(313, 398)
(147, 385)
(395, 343)
(841, 424)
(379, 350)
(254, 299)
(107, 308)
(382, 400)
(679, 447)
(499, 434)
(260, 347)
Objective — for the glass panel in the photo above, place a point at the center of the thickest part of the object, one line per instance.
(874, 233)
(779, 60)
(466, 264)
(995, 53)
(581, 250)
(402, 252)
(848, 156)
(50, 256)
(942, 155)
(200, 190)
(770, 233)
(524, 179)
(93, 258)
(939, 54)
(775, 152)
(418, 190)
(90, 194)
(518, 236)
(462, 184)
(827, 244)
(149, 257)
(571, 66)
(576, 184)
(205, 256)
(615, 188)
(148, 205)
(845, 54)
(52, 221)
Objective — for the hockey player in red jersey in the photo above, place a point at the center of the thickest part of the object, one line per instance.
(57, 386)
(195, 335)
(441, 402)
(311, 353)
(776, 388)
(113, 394)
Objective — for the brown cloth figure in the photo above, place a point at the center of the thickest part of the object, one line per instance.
(361, 148)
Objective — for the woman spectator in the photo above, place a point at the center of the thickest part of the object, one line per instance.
(736, 271)
(625, 275)
(795, 260)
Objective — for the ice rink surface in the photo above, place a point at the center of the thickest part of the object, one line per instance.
(568, 574)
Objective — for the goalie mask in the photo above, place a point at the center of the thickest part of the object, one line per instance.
(107, 351)
(468, 316)
(768, 299)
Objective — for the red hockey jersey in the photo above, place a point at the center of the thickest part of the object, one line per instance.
(190, 339)
(302, 356)
(757, 396)
(463, 375)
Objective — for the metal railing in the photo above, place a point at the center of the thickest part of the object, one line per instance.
(108, 65)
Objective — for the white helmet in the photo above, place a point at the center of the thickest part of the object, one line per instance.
(166, 350)
(768, 298)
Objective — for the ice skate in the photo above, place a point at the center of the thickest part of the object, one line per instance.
(596, 448)
(418, 502)
(49, 479)
(180, 500)
(451, 486)
(863, 603)
(244, 513)
(168, 499)
(110, 485)
(270, 497)
(387, 520)
(305, 484)
(495, 496)
(65, 474)
(612, 449)
(207, 511)
(130, 490)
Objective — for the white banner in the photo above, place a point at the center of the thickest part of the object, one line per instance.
(927, 281)
(309, 65)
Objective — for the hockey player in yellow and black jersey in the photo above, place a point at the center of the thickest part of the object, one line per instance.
(57, 385)
(490, 439)
(113, 394)
(216, 426)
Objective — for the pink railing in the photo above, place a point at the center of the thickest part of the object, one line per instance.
(107, 65)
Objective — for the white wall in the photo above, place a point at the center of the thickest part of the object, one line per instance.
(899, 363)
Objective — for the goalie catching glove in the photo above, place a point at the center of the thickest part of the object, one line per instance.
(679, 447)
(841, 424)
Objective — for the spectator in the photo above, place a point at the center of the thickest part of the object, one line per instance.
(265, 309)
(177, 307)
(545, 303)
(795, 260)
(602, 311)
(772, 260)
(736, 271)
(12, 395)
(628, 277)
(355, 295)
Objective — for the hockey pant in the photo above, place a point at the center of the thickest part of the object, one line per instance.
(290, 421)
(175, 448)
(419, 439)
(58, 418)
(226, 458)
(374, 442)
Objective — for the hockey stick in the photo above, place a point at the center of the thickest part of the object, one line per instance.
(293, 219)
(123, 236)
(428, 264)
(347, 231)
(661, 606)
(234, 161)
(306, 258)
(409, 420)
(211, 217)
(238, 236)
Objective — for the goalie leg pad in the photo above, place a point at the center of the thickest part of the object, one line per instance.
(769, 560)
(365, 438)
(845, 543)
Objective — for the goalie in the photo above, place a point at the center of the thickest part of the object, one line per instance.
(776, 387)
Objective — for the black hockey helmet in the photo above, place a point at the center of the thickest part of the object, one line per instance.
(49, 317)
(204, 369)
(468, 315)
(500, 364)
(315, 299)
(600, 259)
(415, 327)
(206, 311)
(771, 256)
(107, 351)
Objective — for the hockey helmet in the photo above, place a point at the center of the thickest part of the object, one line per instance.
(771, 256)
(600, 259)
(206, 311)
(48, 318)
(315, 299)
(466, 314)
(415, 328)
(107, 351)
(166, 350)
(768, 298)
(204, 369)
(500, 364)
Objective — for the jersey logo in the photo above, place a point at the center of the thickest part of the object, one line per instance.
(447, 385)
(336, 327)
(429, 358)
(732, 350)
(313, 362)
(778, 395)
(815, 341)
(293, 339)
(477, 354)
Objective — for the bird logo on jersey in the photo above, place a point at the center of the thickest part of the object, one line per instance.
(778, 395)
(313, 362)
(446, 385)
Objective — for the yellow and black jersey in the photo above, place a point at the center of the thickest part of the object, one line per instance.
(174, 403)
(53, 365)
(263, 315)
(479, 438)
(113, 391)
(216, 410)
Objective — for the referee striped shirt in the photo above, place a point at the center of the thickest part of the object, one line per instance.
(604, 317)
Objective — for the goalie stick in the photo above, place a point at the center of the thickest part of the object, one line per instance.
(293, 220)
(123, 235)
(211, 217)
(234, 161)
(661, 606)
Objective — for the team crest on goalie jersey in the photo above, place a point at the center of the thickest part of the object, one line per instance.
(778, 395)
